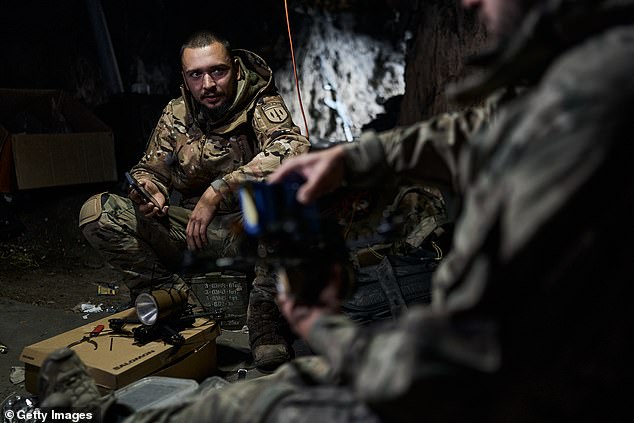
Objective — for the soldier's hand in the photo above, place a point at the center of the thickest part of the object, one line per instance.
(301, 317)
(200, 218)
(146, 208)
(323, 172)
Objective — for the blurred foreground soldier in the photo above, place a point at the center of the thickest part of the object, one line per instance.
(530, 319)
(229, 125)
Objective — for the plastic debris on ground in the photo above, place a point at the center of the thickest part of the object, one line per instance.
(87, 308)
(17, 375)
(91, 308)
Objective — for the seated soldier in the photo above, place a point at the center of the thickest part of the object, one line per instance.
(531, 318)
(228, 126)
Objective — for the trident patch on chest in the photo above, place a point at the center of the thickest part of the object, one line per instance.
(275, 112)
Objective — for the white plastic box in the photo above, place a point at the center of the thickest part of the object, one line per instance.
(155, 391)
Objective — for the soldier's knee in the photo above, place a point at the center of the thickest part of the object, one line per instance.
(92, 209)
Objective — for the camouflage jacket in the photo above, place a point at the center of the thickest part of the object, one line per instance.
(187, 152)
(531, 316)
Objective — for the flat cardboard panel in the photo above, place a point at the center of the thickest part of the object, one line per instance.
(126, 362)
(197, 365)
(55, 141)
(7, 176)
(63, 159)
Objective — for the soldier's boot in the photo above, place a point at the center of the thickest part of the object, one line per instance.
(269, 351)
(268, 331)
(64, 383)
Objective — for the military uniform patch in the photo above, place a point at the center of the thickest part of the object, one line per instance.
(275, 112)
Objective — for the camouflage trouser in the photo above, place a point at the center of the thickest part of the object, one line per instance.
(297, 392)
(149, 252)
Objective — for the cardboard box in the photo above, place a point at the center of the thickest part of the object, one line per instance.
(127, 362)
(47, 138)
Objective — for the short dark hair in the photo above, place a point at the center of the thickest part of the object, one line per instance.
(205, 38)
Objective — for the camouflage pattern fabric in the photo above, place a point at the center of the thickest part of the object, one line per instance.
(186, 154)
(372, 160)
(531, 317)
(526, 305)
(419, 211)
(149, 251)
(300, 391)
(417, 200)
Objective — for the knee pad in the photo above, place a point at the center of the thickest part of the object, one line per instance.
(92, 208)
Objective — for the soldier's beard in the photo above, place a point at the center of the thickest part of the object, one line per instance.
(217, 112)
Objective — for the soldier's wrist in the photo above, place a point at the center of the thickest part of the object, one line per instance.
(220, 187)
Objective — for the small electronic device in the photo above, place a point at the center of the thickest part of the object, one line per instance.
(301, 244)
(134, 184)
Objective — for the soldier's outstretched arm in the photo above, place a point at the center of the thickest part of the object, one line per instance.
(323, 171)
(427, 151)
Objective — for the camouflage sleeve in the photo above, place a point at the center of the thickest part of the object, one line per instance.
(278, 138)
(427, 151)
(154, 164)
(410, 358)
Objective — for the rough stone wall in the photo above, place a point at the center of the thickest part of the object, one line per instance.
(339, 64)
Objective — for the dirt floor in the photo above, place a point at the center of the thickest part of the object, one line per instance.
(47, 271)
(44, 259)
